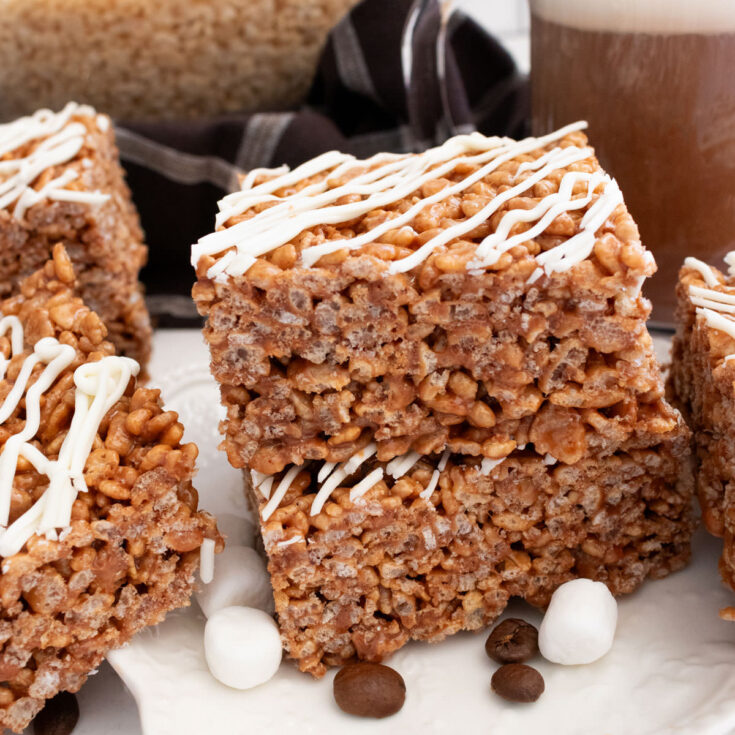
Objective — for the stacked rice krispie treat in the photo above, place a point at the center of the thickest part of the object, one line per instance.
(437, 372)
(61, 181)
(100, 534)
(702, 382)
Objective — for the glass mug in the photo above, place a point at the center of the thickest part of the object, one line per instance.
(655, 79)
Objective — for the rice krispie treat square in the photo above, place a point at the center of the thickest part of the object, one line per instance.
(61, 181)
(100, 533)
(437, 370)
(702, 382)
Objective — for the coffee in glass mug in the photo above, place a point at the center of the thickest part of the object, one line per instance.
(655, 79)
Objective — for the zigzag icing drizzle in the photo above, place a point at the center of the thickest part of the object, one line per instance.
(99, 385)
(717, 308)
(61, 140)
(388, 178)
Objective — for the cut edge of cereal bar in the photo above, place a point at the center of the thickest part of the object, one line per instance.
(100, 534)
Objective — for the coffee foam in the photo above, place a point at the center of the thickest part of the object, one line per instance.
(640, 16)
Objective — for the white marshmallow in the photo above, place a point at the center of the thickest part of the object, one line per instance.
(240, 578)
(242, 647)
(579, 625)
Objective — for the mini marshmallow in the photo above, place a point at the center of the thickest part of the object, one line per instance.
(242, 647)
(579, 625)
(240, 578)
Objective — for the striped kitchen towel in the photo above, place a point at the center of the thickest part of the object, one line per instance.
(395, 75)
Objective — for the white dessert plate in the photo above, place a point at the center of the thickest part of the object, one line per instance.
(671, 669)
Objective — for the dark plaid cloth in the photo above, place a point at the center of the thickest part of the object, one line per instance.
(395, 75)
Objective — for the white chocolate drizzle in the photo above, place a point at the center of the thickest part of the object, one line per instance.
(398, 467)
(385, 179)
(103, 123)
(206, 560)
(711, 299)
(61, 139)
(12, 324)
(263, 482)
(281, 490)
(703, 269)
(289, 541)
(367, 482)
(266, 486)
(718, 321)
(325, 471)
(99, 385)
(488, 465)
(339, 473)
(434, 480)
(730, 260)
(716, 307)
(332, 474)
(257, 478)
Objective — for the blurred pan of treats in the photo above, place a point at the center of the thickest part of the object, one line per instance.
(162, 60)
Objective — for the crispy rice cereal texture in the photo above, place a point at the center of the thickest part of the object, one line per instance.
(132, 548)
(161, 60)
(702, 382)
(103, 238)
(498, 424)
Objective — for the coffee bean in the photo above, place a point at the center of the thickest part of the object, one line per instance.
(518, 683)
(369, 690)
(58, 717)
(512, 642)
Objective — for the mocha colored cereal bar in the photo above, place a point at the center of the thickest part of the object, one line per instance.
(702, 381)
(437, 370)
(100, 534)
(61, 181)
